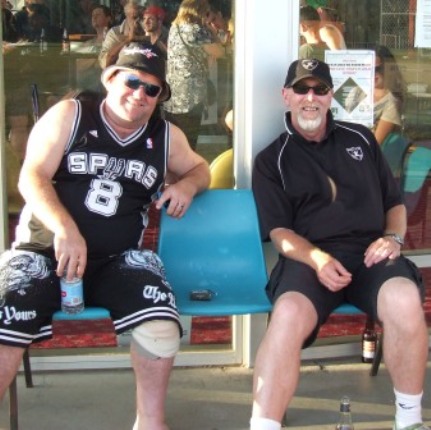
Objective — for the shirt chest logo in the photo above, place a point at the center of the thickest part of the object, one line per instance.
(355, 152)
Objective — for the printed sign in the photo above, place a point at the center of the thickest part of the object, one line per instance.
(353, 76)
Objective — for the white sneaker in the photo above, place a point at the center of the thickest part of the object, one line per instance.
(418, 426)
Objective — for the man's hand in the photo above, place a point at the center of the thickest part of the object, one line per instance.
(380, 249)
(177, 197)
(70, 252)
(331, 273)
(136, 32)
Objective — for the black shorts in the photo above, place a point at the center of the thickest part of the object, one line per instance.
(132, 286)
(291, 275)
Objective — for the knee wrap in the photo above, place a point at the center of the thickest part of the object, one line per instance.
(158, 338)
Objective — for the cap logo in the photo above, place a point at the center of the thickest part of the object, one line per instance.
(309, 64)
(146, 52)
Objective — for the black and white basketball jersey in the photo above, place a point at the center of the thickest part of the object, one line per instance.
(105, 182)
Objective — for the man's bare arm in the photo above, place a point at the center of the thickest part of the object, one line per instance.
(45, 150)
(190, 169)
(331, 272)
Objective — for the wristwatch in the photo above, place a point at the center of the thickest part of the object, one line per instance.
(396, 237)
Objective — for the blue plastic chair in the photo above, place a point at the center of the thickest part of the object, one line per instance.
(214, 259)
(213, 256)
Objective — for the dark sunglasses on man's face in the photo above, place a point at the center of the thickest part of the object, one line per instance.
(133, 82)
(319, 90)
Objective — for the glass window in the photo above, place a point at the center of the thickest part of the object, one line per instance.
(402, 88)
(54, 49)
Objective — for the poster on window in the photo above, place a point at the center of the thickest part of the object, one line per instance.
(423, 24)
(352, 72)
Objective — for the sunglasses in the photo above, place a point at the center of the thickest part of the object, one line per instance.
(379, 69)
(133, 82)
(319, 90)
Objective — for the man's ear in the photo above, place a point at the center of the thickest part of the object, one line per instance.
(285, 95)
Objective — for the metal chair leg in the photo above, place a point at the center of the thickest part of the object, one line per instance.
(27, 369)
(13, 405)
(378, 356)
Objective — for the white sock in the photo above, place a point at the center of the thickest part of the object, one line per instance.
(264, 424)
(408, 409)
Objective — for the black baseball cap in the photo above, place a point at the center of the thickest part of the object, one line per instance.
(308, 68)
(144, 57)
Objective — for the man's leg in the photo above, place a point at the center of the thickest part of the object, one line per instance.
(10, 360)
(152, 377)
(405, 346)
(278, 360)
(121, 286)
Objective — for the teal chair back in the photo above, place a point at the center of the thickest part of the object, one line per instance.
(417, 167)
(213, 256)
(394, 148)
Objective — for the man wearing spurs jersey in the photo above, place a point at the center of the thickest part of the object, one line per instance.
(92, 169)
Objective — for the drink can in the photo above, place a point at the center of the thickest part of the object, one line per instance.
(72, 295)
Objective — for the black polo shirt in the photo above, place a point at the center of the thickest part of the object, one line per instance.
(335, 193)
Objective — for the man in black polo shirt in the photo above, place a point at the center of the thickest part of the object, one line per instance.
(327, 200)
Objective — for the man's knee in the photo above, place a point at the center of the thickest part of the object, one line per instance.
(399, 291)
(399, 296)
(157, 339)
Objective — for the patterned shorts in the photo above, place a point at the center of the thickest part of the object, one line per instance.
(132, 286)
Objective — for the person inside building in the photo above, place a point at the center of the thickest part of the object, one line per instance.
(130, 30)
(24, 26)
(78, 17)
(152, 22)
(193, 43)
(9, 30)
(309, 29)
(320, 33)
(389, 94)
(331, 28)
(87, 68)
(20, 73)
(92, 170)
(330, 205)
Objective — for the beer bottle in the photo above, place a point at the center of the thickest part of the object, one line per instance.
(369, 342)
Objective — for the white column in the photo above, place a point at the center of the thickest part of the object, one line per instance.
(266, 42)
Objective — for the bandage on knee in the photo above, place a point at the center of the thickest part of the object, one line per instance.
(157, 339)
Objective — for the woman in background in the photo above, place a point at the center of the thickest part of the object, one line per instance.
(192, 44)
(389, 93)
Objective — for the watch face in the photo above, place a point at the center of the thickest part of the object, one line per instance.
(396, 237)
(400, 240)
